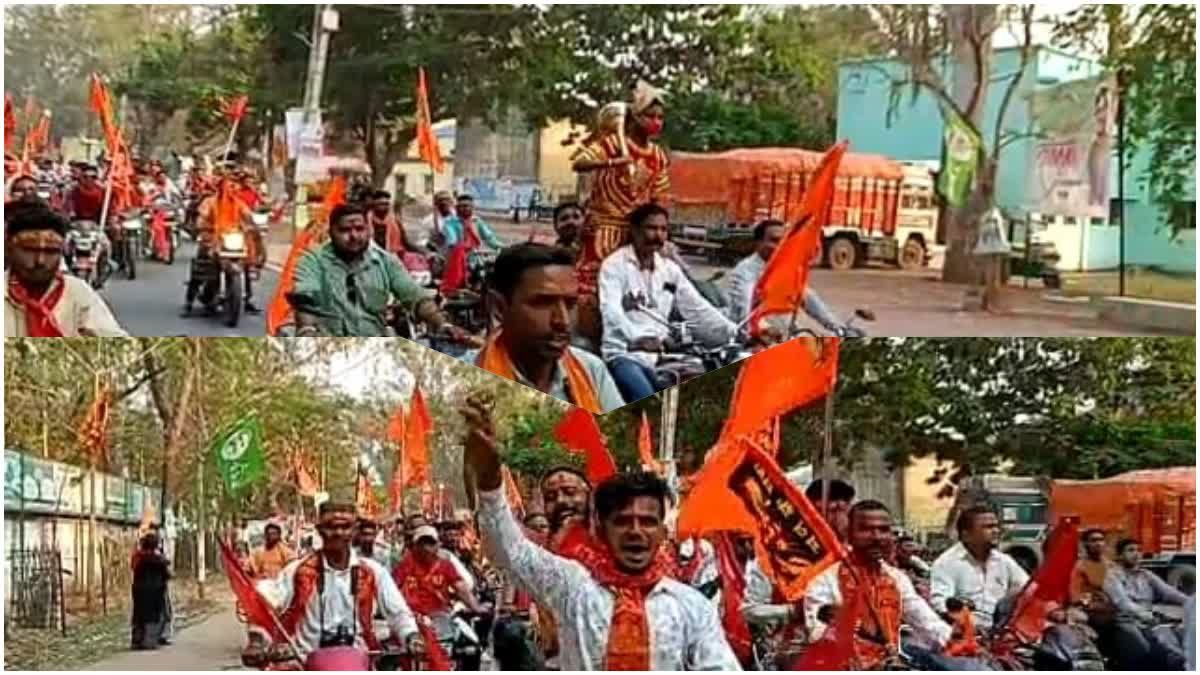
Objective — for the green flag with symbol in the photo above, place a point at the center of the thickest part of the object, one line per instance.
(960, 159)
(239, 451)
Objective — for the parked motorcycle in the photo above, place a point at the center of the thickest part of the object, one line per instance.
(87, 253)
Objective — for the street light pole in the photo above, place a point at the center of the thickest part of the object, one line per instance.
(325, 20)
(1121, 81)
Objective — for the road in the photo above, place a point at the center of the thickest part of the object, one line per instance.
(150, 305)
(213, 644)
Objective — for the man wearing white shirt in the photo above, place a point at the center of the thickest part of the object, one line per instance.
(975, 569)
(615, 604)
(329, 597)
(639, 289)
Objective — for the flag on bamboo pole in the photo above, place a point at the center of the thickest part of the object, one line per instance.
(239, 452)
(780, 289)
(427, 142)
(646, 448)
(742, 489)
(279, 312)
(416, 445)
(395, 434)
(251, 604)
(777, 381)
(579, 432)
(101, 103)
(235, 109)
(93, 431)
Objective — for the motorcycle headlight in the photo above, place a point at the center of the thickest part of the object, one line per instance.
(233, 241)
(132, 224)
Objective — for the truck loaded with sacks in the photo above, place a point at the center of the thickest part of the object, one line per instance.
(883, 211)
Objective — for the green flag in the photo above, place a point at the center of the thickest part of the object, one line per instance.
(239, 453)
(960, 159)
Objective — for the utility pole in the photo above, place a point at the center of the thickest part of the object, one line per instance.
(325, 23)
(666, 444)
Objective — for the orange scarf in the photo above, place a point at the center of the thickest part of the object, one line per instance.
(495, 359)
(629, 632)
(39, 312)
(882, 606)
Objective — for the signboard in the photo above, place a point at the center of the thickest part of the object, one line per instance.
(1073, 156)
(310, 167)
(38, 486)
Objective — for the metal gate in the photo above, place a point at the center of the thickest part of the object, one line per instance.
(36, 589)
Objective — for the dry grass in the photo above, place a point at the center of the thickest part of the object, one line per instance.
(1139, 283)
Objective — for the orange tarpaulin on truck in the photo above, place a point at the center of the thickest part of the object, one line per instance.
(751, 183)
(1156, 506)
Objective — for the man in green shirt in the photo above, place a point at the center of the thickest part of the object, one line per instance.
(345, 287)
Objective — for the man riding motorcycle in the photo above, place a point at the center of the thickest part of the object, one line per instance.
(206, 252)
(430, 583)
(345, 287)
(1140, 641)
(85, 201)
(328, 598)
(769, 234)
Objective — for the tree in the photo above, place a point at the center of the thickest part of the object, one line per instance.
(1153, 48)
(922, 36)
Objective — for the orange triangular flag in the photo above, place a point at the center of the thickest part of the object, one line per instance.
(427, 143)
(646, 448)
(280, 312)
(742, 489)
(306, 485)
(779, 380)
(416, 448)
(780, 289)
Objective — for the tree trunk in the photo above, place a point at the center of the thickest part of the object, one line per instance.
(173, 417)
(971, 28)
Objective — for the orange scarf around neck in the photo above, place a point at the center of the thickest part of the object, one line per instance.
(494, 358)
(882, 606)
(39, 312)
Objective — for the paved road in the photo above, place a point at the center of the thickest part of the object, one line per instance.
(149, 306)
(212, 644)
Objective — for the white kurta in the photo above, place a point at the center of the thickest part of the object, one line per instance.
(685, 631)
(80, 312)
(956, 574)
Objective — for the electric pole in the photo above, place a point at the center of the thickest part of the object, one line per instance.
(325, 23)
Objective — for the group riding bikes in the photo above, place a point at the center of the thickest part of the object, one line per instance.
(154, 227)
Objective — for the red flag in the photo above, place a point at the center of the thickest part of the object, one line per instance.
(280, 311)
(10, 122)
(777, 381)
(781, 287)
(579, 432)
(455, 276)
(742, 489)
(416, 448)
(835, 649)
(646, 448)
(427, 143)
(253, 606)
(1048, 586)
(733, 590)
(435, 655)
(236, 109)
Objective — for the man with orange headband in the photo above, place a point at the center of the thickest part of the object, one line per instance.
(39, 300)
(535, 289)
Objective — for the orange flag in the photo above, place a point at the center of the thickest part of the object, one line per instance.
(227, 211)
(427, 142)
(781, 287)
(742, 489)
(93, 432)
(364, 495)
(416, 448)
(280, 312)
(1049, 584)
(646, 448)
(395, 434)
(512, 492)
(101, 102)
(306, 485)
(579, 432)
(779, 380)
(10, 122)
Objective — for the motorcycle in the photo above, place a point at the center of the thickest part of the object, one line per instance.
(130, 241)
(172, 214)
(220, 272)
(1065, 645)
(87, 253)
(261, 217)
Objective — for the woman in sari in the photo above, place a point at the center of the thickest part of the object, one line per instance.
(623, 168)
(150, 607)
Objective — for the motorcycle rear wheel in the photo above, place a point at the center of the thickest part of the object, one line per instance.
(131, 258)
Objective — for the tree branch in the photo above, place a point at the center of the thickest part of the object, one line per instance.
(1026, 51)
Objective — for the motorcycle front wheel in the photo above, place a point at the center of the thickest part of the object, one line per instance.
(131, 247)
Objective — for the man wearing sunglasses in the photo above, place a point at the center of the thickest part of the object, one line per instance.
(345, 287)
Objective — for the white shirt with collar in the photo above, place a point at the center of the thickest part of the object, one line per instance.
(956, 574)
(685, 631)
(915, 612)
(338, 605)
(661, 289)
(80, 311)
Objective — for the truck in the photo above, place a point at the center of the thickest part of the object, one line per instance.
(883, 210)
(1156, 508)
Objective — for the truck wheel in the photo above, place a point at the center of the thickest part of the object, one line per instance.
(912, 256)
(843, 254)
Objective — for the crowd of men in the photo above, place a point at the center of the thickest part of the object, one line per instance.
(597, 581)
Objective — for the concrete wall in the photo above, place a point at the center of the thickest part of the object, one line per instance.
(555, 175)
